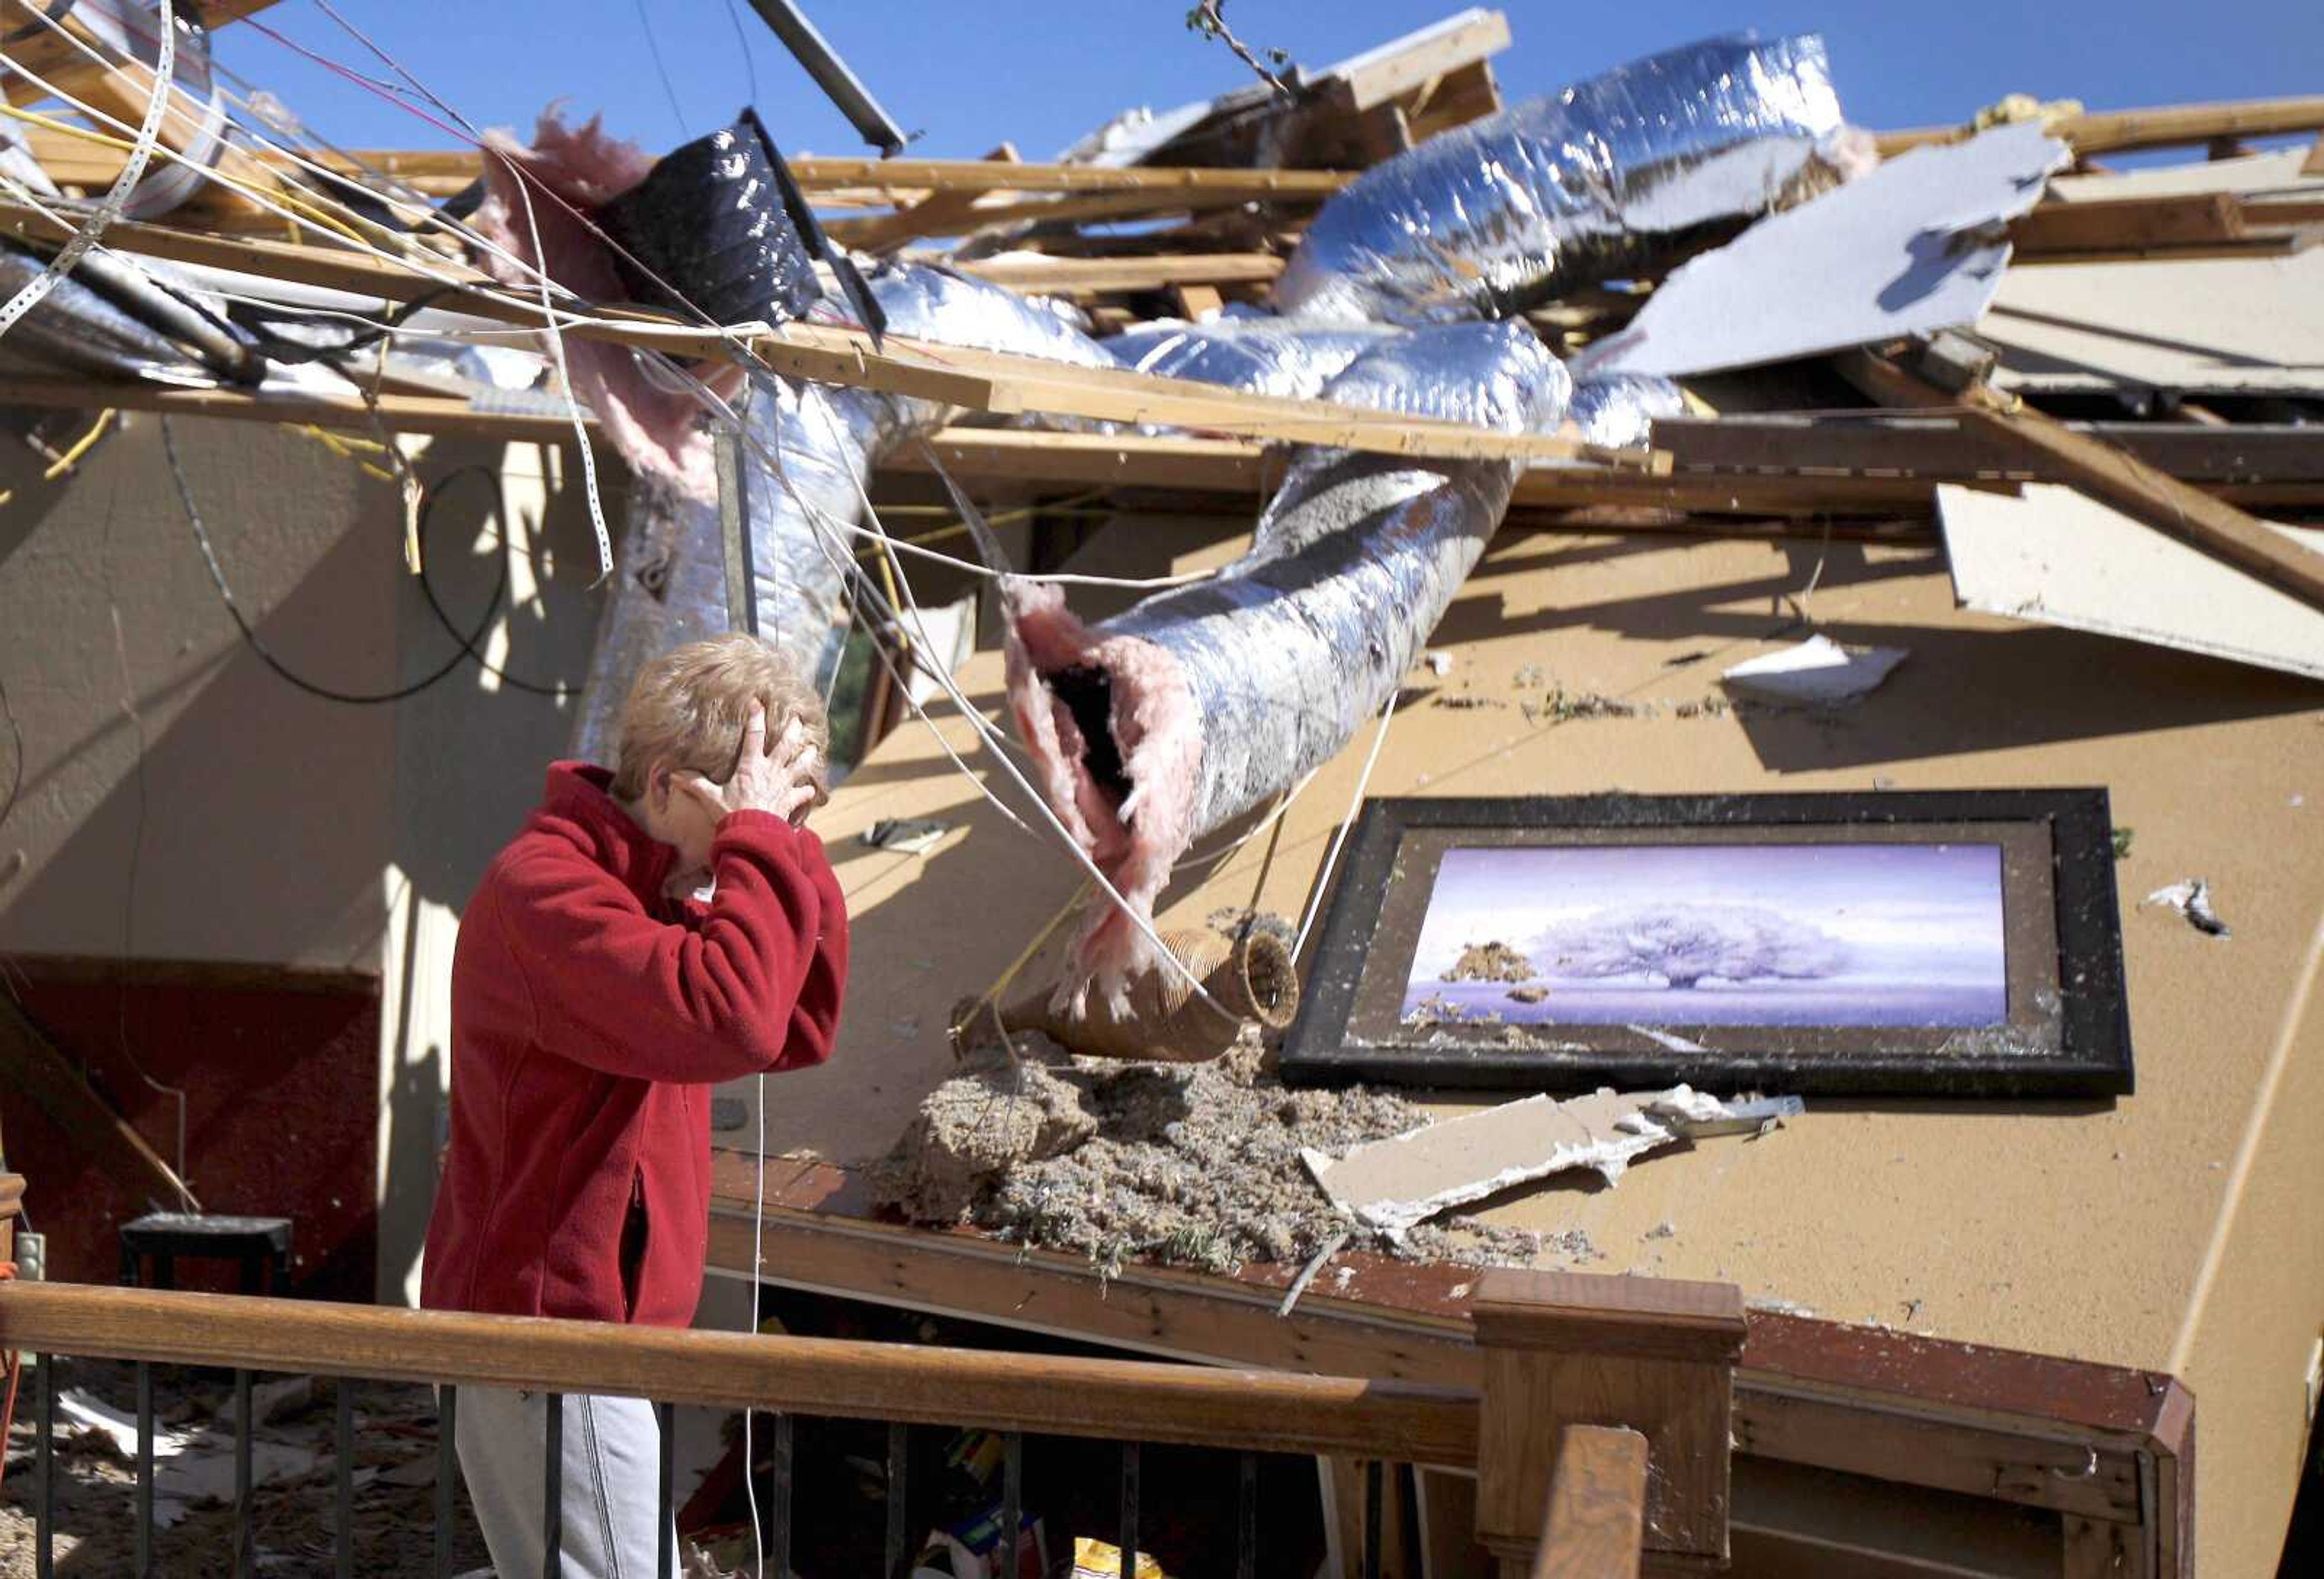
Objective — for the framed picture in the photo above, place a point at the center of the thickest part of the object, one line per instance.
(1955, 943)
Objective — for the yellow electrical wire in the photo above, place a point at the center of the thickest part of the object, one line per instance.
(345, 449)
(286, 194)
(81, 446)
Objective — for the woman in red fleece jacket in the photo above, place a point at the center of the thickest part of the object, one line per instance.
(595, 1000)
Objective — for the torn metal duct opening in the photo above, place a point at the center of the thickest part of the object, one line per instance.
(1155, 727)
(1249, 980)
(1599, 182)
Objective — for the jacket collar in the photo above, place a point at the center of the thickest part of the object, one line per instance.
(579, 797)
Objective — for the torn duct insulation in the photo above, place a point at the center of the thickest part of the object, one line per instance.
(1157, 725)
(539, 210)
(809, 453)
(1601, 182)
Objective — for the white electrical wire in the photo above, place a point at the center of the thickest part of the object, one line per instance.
(109, 207)
(572, 401)
(1355, 802)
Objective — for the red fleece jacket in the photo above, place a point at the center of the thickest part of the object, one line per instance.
(590, 1017)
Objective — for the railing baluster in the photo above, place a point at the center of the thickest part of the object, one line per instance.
(779, 1512)
(899, 1453)
(244, 1541)
(552, 1516)
(44, 1547)
(1247, 1519)
(448, 1469)
(145, 1470)
(343, 1459)
(665, 1494)
(1013, 1499)
(1373, 1519)
(1129, 1569)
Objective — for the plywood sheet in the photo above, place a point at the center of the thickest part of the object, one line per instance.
(2063, 560)
(2214, 326)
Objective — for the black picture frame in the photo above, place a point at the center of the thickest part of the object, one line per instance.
(2068, 1028)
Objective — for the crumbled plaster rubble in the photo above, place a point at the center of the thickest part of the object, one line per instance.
(1183, 1165)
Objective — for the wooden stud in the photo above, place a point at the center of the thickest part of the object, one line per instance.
(1376, 79)
(2171, 126)
(940, 213)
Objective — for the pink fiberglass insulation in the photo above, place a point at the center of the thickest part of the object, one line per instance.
(1151, 728)
(569, 173)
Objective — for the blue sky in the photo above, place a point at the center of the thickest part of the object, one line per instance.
(971, 73)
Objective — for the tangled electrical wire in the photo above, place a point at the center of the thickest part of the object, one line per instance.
(467, 649)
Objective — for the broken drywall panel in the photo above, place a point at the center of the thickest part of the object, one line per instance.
(2202, 326)
(1916, 247)
(1818, 672)
(1396, 1183)
(2059, 558)
(2192, 900)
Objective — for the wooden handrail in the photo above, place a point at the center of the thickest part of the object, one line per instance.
(1267, 1410)
(1597, 1505)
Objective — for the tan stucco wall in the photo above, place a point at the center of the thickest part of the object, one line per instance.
(265, 824)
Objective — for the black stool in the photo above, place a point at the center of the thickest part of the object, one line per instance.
(261, 1244)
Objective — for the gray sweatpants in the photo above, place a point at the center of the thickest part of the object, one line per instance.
(613, 1482)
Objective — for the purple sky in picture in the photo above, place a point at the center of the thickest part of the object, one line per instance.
(1905, 913)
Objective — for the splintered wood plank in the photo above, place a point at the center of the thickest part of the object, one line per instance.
(1596, 1523)
(944, 213)
(398, 413)
(2118, 223)
(1078, 276)
(35, 1066)
(982, 381)
(1382, 75)
(2170, 126)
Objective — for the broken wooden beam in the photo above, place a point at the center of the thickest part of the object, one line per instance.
(2169, 127)
(1378, 75)
(38, 1067)
(1090, 276)
(985, 380)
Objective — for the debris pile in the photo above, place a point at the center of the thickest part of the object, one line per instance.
(1193, 1167)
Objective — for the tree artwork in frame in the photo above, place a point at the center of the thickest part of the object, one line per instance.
(1944, 943)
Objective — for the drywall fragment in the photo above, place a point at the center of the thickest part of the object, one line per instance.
(1395, 1184)
(2060, 558)
(1817, 672)
(906, 835)
(1915, 247)
(2192, 900)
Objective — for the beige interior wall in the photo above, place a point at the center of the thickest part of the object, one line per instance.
(253, 822)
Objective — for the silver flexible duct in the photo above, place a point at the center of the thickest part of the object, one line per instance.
(823, 442)
(1583, 186)
(1260, 356)
(1619, 409)
(75, 327)
(1150, 728)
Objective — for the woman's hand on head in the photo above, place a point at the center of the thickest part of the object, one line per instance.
(779, 777)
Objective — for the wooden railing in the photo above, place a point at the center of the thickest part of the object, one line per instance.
(1562, 1349)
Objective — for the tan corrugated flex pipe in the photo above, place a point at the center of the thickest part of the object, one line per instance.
(1251, 978)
